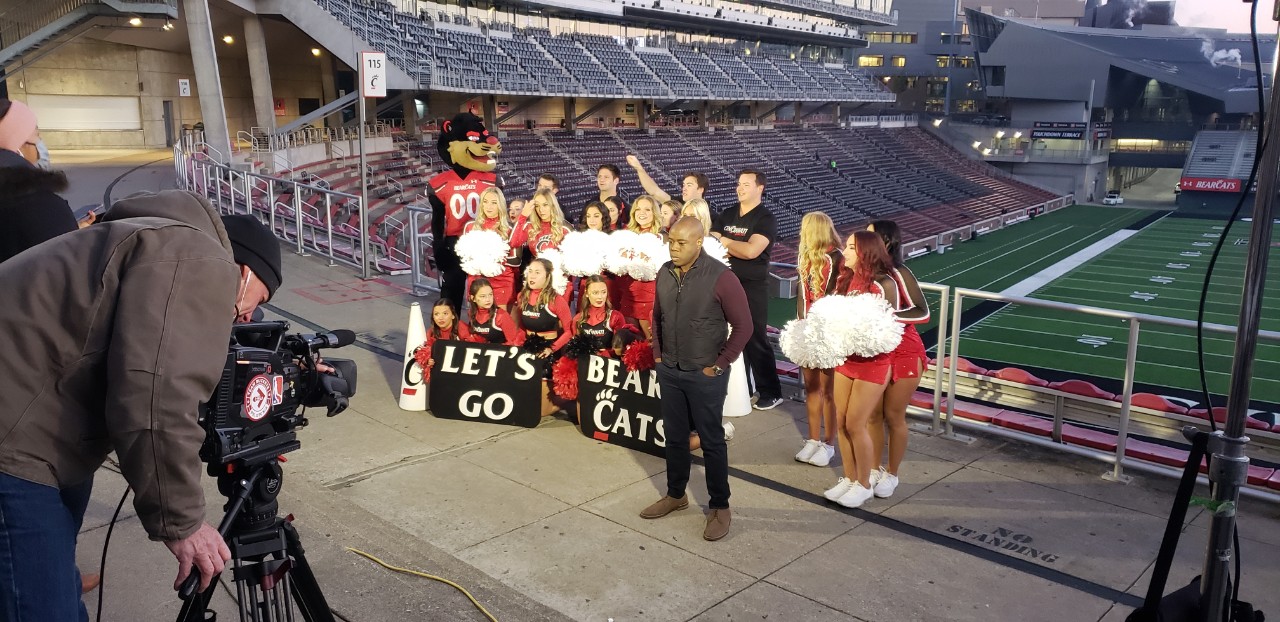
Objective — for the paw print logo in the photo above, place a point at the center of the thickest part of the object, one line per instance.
(607, 395)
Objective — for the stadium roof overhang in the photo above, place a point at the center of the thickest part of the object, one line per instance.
(1211, 64)
(681, 22)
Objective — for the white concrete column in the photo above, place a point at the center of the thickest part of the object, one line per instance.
(409, 107)
(213, 112)
(255, 44)
(328, 90)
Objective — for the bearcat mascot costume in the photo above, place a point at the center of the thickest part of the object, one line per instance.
(472, 153)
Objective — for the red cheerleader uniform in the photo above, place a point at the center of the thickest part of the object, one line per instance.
(554, 318)
(446, 334)
(503, 284)
(909, 358)
(600, 326)
(874, 369)
(492, 326)
(827, 274)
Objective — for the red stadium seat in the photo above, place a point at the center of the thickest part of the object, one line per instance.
(1024, 423)
(1080, 387)
(1220, 415)
(965, 366)
(1156, 402)
(1087, 437)
(1273, 482)
(977, 412)
(1013, 374)
(921, 399)
(1151, 452)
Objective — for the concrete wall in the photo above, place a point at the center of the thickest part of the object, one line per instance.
(1077, 178)
(92, 67)
(547, 112)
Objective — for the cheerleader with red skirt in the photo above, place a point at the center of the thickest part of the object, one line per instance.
(493, 217)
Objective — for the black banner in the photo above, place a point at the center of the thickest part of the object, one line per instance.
(487, 383)
(1067, 134)
(621, 407)
(1059, 125)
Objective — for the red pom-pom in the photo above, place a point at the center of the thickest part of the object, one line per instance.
(638, 356)
(422, 355)
(564, 378)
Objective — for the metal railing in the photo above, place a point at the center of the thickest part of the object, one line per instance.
(1121, 411)
(425, 279)
(951, 237)
(298, 212)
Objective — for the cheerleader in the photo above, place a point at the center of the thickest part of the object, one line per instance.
(668, 212)
(489, 322)
(546, 227)
(909, 360)
(444, 327)
(860, 381)
(818, 264)
(594, 217)
(637, 297)
(614, 205)
(546, 316)
(596, 317)
(493, 217)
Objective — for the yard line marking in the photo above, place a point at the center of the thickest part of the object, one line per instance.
(1061, 268)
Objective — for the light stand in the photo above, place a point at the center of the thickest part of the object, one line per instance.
(1229, 467)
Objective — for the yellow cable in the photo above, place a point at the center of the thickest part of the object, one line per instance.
(427, 576)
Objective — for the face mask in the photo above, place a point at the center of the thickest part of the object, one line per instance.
(42, 156)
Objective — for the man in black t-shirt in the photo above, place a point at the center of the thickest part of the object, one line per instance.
(748, 232)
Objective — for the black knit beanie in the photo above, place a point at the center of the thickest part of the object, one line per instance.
(255, 246)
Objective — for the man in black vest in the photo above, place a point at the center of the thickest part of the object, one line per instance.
(697, 300)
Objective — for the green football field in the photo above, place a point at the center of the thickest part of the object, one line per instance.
(1158, 271)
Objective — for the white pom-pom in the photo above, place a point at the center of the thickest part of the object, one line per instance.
(862, 324)
(804, 347)
(716, 250)
(650, 253)
(584, 252)
(482, 253)
(621, 251)
(559, 281)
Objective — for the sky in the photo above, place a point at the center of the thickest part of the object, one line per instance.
(1230, 14)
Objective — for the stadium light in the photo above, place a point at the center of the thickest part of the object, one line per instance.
(986, 152)
(168, 25)
(135, 21)
(315, 51)
(228, 39)
(1000, 134)
(937, 122)
(977, 144)
(1017, 134)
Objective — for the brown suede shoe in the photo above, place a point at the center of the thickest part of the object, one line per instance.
(717, 524)
(665, 506)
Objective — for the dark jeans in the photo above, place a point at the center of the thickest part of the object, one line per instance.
(38, 527)
(759, 354)
(692, 396)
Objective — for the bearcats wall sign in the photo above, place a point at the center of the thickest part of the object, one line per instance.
(487, 383)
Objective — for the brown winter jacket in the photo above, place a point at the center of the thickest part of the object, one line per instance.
(112, 335)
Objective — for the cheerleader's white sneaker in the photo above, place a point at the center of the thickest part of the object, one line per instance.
(810, 447)
(835, 492)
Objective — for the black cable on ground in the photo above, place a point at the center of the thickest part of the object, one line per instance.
(102, 565)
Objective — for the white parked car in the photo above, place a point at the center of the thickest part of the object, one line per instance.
(1113, 198)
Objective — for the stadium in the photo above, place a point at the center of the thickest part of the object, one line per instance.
(1058, 209)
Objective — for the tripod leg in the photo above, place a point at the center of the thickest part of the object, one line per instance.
(302, 582)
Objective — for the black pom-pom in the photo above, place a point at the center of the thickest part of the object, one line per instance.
(580, 347)
(535, 343)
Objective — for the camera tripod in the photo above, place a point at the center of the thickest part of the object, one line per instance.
(268, 566)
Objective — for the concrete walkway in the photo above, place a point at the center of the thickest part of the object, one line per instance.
(541, 524)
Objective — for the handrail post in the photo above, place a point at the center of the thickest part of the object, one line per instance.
(297, 217)
(943, 307)
(271, 203)
(328, 223)
(956, 308)
(1122, 434)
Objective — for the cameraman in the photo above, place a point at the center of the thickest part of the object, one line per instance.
(115, 333)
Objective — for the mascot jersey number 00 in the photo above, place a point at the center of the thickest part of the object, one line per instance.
(472, 154)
